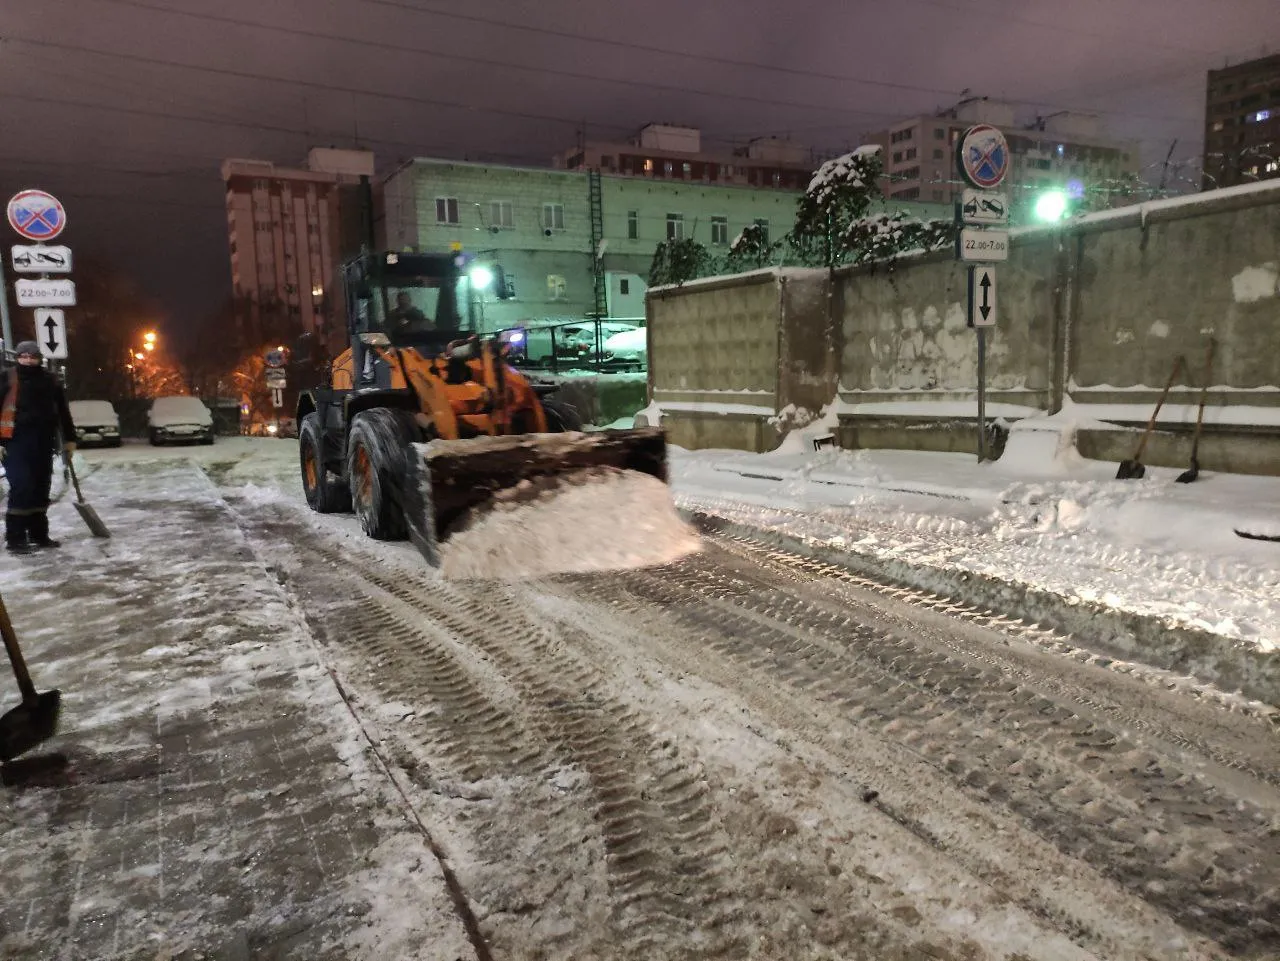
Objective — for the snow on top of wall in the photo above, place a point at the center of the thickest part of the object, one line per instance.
(1256, 283)
(697, 407)
(934, 408)
(778, 272)
(1242, 415)
(1076, 388)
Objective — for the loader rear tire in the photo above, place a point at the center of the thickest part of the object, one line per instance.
(325, 493)
(377, 446)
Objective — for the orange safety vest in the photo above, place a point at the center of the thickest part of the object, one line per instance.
(8, 414)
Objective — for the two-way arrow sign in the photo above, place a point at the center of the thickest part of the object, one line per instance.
(51, 326)
(982, 296)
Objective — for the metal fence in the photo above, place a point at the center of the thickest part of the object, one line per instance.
(578, 345)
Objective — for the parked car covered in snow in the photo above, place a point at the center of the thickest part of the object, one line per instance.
(627, 350)
(180, 419)
(97, 423)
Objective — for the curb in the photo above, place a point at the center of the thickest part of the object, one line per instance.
(1228, 664)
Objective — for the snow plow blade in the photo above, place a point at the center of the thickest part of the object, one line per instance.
(448, 478)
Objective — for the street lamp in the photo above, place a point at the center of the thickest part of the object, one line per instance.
(138, 355)
(1051, 206)
(149, 345)
(149, 337)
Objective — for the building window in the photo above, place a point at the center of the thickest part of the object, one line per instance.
(939, 133)
(912, 193)
(897, 156)
(633, 225)
(607, 162)
(624, 286)
(675, 226)
(763, 224)
(553, 216)
(719, 231)
(446, 210)
(902, 135)
(1261, 116)
(911, 173)
(648, 165)
(911, 154)
(688, 169)
(667, 168)
(557, 289)
(501, 214)
(937, 155)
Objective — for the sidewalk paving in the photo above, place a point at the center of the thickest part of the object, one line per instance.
(218, 799)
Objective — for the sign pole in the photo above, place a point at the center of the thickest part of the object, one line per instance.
(982, 156)
(982, 394)
(4, 309)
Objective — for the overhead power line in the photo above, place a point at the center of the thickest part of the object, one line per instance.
(704, 58)
(485, 62)
(311, 84)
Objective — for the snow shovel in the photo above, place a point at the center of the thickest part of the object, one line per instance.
(33, 721)
(87, 513)
(1192, 472)
(1133, 469)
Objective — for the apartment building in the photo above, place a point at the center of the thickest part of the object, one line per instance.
(668, 152)
(288, 232)
(1242, 123)
(1064, 151)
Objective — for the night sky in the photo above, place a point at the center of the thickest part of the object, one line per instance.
(125, 108)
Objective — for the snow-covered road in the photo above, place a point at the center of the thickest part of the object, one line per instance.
(739, 753)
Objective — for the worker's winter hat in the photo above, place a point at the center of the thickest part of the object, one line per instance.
(28, 347)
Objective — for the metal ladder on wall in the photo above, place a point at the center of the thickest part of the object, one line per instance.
(596, 199)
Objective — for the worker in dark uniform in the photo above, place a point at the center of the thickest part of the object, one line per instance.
(406, 318)
(34, 411)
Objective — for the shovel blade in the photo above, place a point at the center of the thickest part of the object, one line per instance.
(1130, 470)
(29, 724)
(1190, 474)
(92, 520)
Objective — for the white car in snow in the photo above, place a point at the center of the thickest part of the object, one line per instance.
(627, 350)
(97, 423)
(180, 418)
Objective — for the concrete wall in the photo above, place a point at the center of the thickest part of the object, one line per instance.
(720, 366)
(1092, 313)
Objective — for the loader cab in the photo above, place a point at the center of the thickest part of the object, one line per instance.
(423, 301)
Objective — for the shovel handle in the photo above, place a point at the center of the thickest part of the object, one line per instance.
(75, 481)
(1168, 385)
(16, 659)
(1204, 392)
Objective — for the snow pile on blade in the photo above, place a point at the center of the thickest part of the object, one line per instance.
(589, 520)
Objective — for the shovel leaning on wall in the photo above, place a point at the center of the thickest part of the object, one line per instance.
(1133, 469)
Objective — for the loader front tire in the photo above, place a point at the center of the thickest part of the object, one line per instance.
(377, 445)
(325, 493)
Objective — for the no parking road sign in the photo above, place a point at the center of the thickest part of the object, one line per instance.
(36, 215)
(982, 154)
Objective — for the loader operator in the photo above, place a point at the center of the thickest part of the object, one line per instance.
(34, 412)
(408, 319)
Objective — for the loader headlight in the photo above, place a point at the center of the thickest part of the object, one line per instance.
(375, 339)
(481, 277)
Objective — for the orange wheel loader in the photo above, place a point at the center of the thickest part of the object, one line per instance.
(421, 419)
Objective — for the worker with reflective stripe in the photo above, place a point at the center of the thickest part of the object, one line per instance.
(34, 411)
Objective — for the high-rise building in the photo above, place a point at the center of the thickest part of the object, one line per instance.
(1063, 151)
(1242, 123)
(289, 230)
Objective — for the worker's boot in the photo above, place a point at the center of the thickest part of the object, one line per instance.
(38, 531)
(15, 534)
